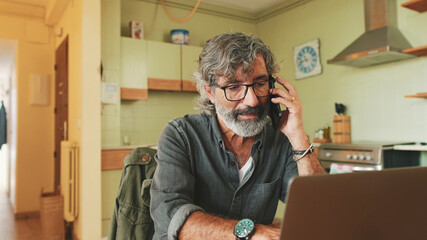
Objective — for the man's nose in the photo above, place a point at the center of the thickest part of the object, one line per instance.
(251, 99)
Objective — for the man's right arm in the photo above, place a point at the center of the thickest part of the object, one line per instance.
(201, 225)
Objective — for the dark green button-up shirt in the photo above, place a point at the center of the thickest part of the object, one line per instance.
(196, 172)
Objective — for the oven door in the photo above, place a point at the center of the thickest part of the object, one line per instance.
(355, 166)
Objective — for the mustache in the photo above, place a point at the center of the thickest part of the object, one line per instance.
(259, 110)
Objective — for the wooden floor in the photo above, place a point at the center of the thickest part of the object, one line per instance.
(28, 229)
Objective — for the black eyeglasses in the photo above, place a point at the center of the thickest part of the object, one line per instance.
(238, 92)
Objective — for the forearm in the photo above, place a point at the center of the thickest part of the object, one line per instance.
(201, 225)
(309, 164)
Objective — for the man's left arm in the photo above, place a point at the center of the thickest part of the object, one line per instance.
(308, 164)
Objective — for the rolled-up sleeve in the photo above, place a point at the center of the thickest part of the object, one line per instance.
(172, 189)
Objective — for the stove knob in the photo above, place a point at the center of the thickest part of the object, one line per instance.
(361, 157)
(328, 154)
(348, 156)
(368, 158)
(354, 156)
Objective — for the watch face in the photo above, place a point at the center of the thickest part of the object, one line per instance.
(306, 59)
(244, 227)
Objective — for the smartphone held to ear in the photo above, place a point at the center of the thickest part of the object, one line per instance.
(275, 113)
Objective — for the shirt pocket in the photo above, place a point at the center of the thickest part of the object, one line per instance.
(264, 200)
(134, 214)
(134, 223)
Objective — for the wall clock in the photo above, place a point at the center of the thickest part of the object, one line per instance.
(307, 59)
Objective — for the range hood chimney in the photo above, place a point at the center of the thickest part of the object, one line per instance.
(382, 42)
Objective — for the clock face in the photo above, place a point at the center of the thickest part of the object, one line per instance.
(307, 59)
(244, 227)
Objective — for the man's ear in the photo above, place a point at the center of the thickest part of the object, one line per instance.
(210, 93)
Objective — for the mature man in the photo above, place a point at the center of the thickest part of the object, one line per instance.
(228, 163)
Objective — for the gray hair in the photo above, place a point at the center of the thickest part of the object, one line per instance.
(221, 56)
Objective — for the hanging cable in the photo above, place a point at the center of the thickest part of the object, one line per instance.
(180, 20)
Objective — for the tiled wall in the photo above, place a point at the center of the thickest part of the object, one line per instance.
(143, 121)
(110, 57)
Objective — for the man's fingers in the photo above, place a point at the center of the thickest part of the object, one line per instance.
(289, 87)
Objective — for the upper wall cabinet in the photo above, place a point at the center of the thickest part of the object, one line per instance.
(189, 56)
(164, 66)
(156, 65)
(133, 69)
(170, 66)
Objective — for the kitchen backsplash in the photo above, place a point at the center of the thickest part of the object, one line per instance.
(143, 121)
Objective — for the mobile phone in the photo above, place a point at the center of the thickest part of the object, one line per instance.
(275, 113)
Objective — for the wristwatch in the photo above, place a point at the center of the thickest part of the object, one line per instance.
(244, 229)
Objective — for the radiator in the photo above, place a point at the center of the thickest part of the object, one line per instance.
(70, 179)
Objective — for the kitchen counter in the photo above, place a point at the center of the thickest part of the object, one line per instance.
(411, 147)
(112, 157)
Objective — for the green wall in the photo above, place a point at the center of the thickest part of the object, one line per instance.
(374, 95)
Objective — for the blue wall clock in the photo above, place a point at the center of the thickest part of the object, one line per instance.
(307, 59)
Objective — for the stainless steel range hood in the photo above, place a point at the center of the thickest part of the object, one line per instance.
(382, 42)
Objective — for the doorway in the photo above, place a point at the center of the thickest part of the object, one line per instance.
(61, 106)
(8, 120)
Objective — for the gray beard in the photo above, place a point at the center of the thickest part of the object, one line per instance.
(246, 127)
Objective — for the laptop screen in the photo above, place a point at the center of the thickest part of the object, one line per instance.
(389, 204)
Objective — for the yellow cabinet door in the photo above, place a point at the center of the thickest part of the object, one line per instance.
(189, 57)
(164, 66)
(133, 69)
(133, 63)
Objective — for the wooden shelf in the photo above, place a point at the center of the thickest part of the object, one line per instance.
(171, 85)
(188, 86)
(417, 51)
(322, 140)
(416, 5)
(133, 94)
(164, 84)
(418, 95)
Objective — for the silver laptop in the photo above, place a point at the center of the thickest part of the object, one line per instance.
(389, 204)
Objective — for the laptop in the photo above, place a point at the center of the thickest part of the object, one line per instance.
(389, 204)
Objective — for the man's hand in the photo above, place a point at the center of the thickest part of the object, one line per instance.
(291, 126)
(291, 122)
(263, 232)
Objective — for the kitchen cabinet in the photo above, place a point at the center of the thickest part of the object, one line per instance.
(164, 66)
(170, 66)
(150, 65)
(133, 69)
(189, 57)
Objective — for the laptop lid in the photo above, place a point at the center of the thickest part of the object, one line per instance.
(389, 204)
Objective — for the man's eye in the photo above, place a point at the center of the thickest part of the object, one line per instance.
(234, 87)
(260, 84)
